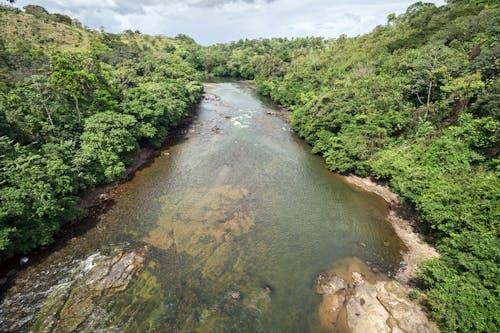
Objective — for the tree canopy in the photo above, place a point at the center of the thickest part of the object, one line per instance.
(71, 118)
(413, 103)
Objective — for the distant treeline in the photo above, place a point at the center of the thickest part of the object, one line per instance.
(415, 103)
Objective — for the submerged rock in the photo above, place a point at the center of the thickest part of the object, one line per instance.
(70, 304)
(207, 97)
(205, 224)
(258, 300)
(329, 284)
(235, 295)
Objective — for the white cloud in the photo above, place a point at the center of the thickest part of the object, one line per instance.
(211, 21)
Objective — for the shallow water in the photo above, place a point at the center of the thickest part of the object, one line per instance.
(238, 219)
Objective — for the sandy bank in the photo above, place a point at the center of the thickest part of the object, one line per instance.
(405, 227)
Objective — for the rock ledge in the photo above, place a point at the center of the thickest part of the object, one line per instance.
(354, 304)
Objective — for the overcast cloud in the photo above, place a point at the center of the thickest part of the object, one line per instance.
(213, 21)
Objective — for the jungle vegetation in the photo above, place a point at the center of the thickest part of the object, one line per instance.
(75, 104)
(415, 103)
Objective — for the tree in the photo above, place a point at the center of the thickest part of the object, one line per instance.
(107, 140)
(37, 193)
(35, 10)
(430, 67)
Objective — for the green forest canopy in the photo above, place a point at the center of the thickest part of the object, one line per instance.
(414, 103)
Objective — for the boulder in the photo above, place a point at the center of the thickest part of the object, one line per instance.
(368, 303)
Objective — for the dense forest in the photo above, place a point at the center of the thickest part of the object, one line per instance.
(74, 105)
(415, 104)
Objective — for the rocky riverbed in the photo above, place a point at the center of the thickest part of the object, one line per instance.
(357, 300)
(72, 304)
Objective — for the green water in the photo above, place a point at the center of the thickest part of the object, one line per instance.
(240, 205)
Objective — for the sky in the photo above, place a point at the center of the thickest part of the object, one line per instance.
(218, 21)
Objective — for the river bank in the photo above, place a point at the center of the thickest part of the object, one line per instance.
(405, 225)
(402, 219)
(217, 207)
(358, 299)
(94, 201)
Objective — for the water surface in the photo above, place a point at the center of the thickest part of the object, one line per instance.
(238, 219)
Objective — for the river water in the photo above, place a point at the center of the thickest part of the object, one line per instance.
(232, 224)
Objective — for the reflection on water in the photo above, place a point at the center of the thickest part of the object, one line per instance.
(232, 226)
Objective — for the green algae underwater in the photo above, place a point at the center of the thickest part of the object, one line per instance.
(225, 231)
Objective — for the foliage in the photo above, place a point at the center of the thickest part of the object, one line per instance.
(70, 119)
(413, 103)
(107, 140)
(38, 191)
(465, 296)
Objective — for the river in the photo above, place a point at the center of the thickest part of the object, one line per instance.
(225, 231)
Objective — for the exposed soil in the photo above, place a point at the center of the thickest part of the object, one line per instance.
(283, 114)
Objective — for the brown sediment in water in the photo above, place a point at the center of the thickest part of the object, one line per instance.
(141, 159)
(203, 223)
(405, 226)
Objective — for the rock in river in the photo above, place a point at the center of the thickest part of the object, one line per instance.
(69, 305)
(361, 302)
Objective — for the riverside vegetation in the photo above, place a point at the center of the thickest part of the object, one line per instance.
(74, 105)
(414, 103)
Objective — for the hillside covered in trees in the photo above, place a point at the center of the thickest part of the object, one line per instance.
(414, 103)
(74, 105)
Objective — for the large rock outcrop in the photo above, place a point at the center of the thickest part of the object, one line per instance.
(365, 302)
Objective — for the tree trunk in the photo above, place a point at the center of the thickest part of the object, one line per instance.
(428, 104)
(78, 110)
(48, 116)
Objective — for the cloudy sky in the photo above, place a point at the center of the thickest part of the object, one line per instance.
(213, 21)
